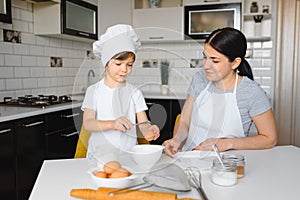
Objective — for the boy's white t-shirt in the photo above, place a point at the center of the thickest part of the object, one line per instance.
(110, 104)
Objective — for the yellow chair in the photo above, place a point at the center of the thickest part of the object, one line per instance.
(82, 143)
(176, 124)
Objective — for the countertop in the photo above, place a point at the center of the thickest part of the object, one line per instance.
(8, 113)
(269, 174)
(159, 95)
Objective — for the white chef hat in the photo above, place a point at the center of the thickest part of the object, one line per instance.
(116, 39)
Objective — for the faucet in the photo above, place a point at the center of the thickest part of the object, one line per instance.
(91, 73)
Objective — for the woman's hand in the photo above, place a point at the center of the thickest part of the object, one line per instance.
(171, 146)
(206, 145)
(150, 132)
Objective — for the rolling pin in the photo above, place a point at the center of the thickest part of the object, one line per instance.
(102, 194)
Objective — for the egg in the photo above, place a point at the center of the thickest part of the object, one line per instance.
(101, 174)
(120, 173)
(111, 166)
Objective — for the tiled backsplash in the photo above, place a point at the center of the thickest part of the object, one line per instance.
(181, 53)
(25, 67)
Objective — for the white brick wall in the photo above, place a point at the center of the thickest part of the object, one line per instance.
(179, 55)
(25, 68)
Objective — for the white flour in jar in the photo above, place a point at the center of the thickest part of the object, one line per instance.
(224, 178)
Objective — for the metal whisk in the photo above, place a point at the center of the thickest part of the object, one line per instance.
(194, 176)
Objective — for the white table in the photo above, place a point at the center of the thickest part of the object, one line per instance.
(270, 174)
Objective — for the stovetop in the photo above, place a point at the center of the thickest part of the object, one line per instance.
(36, 101)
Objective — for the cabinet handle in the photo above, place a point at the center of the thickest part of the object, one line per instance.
(150, 103)
(156, 38)
(211, 0)
(68, 116)
(33, 124)
(85, 34)
(70, 134)
(5, 131)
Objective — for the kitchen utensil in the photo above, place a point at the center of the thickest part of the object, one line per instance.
(102, 194)
(146, 155)
(168, 176)
(194, 176)
(145, 122)
(215, 148)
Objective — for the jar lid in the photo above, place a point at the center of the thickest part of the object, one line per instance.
(233, 157)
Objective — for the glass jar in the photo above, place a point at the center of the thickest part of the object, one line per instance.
(240, 163)
(254, 7)
(224, 175)
(265, 8)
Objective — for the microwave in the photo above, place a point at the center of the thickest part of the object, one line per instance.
(70, 19)
(79, 18)
(201, 20)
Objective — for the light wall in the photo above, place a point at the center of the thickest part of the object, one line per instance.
(25, 67)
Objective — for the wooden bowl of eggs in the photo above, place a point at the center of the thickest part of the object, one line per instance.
(113, 174)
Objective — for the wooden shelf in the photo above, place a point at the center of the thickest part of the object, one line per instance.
(251, 15)
(258, 39)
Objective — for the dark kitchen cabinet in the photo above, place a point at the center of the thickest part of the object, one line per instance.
(62, 133)
(30, 153)
(163, 113)
(8, 164)
(26, 143)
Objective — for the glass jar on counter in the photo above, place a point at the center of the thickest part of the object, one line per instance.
(224, 175)
(240, 163)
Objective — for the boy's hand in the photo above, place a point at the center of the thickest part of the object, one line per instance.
(150, 132)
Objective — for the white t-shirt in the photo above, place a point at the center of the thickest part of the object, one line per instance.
(110, 104)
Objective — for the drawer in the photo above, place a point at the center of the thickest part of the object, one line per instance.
(61, 144)
(64, 119)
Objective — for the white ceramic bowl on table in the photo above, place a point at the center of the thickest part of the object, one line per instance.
(146, 155)
(113, 182)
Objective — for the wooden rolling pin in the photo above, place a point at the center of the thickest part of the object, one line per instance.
(102, 194)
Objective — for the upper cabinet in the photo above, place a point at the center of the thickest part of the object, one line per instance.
(167, 21)
(162, 23)
(113, 12)
(71, 19)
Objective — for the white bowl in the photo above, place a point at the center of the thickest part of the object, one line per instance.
(113, 182)
(146, 155)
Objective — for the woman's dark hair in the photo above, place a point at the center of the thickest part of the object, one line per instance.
(233, 44)
(123, 56)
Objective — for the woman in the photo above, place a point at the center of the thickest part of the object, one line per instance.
(224, 101)
(113, 105)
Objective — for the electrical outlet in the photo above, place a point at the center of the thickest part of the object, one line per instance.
(195, 63)
(150, 63)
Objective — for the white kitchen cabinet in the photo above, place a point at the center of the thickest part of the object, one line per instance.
(57, 18)
(113, 12)
(158, 24)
